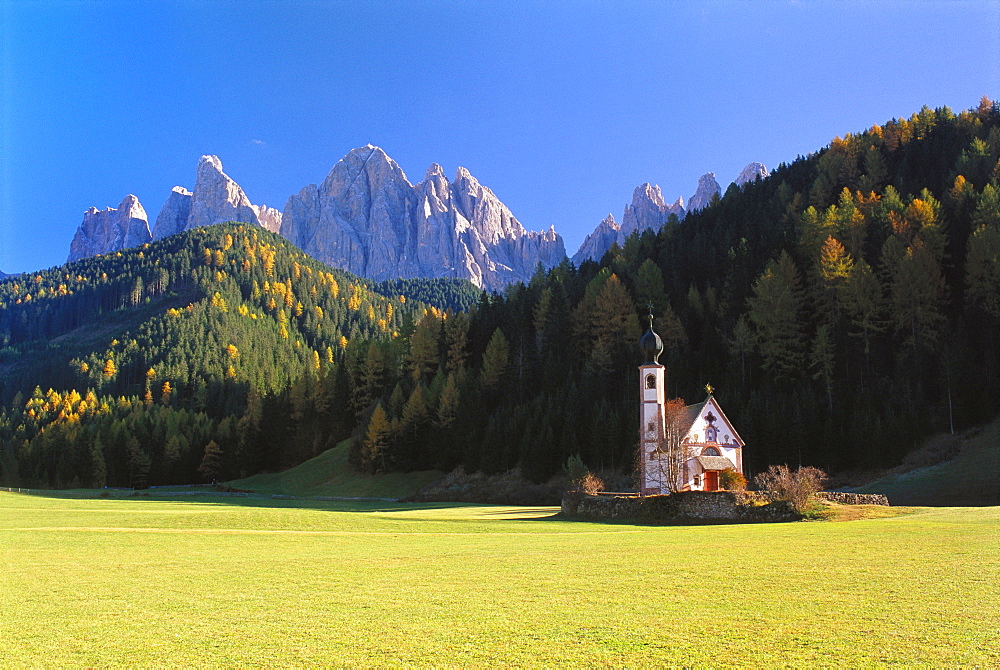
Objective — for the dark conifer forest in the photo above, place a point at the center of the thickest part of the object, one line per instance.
(843, 309)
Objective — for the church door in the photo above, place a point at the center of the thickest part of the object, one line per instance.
(712, 480)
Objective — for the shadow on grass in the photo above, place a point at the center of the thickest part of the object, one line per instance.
(262, 500)
(479, 512)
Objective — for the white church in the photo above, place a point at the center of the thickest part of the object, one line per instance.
(680, 449)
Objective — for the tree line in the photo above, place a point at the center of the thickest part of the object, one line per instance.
(843, 308)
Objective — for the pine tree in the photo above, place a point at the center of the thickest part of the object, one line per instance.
(377, 441)
(212, 462)
(918, 291)
(982, 272)
(774, 310)
(98, 467)
(862, 298)
(614, 327)
(649, 287)
(448, 404)
(496, 360)
(456, 333)
(410, 452)
(425, 353)
(821, 361)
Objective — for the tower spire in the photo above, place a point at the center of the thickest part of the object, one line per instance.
(650, 343)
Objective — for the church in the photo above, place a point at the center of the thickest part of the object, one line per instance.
(680, 448)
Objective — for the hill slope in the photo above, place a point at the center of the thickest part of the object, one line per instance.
(972, 478)
(329, 474)
(152, 353)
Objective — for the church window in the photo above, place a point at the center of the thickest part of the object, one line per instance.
(651, 381)
(711, 451)
(711, 434)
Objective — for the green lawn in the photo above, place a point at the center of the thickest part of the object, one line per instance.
(235, 581)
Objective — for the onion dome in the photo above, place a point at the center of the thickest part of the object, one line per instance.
(651, 345)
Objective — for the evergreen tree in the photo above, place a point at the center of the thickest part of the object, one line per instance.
(775, 312)
(496, 360)
(377, 442)
(211, 462)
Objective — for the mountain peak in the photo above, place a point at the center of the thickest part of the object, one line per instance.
(210, 162)
(598, 242)
(708, 188)
(647, 193)
(216, 198)
(752, 172)
(368, 219)
(102, 232)
(434, 171)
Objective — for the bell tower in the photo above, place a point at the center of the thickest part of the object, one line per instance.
(652, 396)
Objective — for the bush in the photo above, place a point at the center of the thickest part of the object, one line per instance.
(731, 480)
(591, 484)
(580, 478)
(794, 486)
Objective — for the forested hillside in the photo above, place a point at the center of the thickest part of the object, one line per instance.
(457, 295)
(843, 308)
(121, 369)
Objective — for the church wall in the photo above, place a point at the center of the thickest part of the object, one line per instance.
(686, 507)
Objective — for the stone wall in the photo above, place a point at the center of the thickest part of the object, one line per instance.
(854, 498)
(685, 507)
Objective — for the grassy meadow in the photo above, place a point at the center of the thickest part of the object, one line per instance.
(244, 581)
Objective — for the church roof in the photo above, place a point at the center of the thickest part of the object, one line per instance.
(715, 462)
(692, 412)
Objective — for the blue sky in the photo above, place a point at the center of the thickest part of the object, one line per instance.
(561, 108)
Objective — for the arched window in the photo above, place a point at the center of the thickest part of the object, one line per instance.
(651, 381)
(711, 451)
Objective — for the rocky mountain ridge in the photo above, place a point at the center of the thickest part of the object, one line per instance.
(368, 218)
(649, 211)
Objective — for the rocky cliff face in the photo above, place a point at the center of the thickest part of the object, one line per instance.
(366, 217)
(752, 172)
(648, 211)
(173, 216)
(707, 189)
(216, 199)
(110, 230)
(598, 242)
